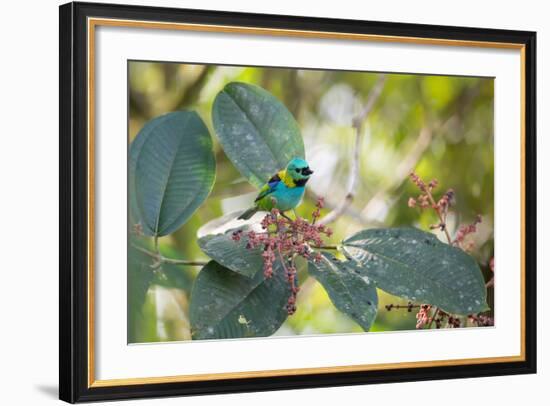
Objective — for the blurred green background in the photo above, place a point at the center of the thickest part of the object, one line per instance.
(439, 126)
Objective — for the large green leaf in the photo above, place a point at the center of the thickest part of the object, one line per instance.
(172, 170)
(233, 254)
(411, 263)
(225, 304)
(353, 294)
(256, 131)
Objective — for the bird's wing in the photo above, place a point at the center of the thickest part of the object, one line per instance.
(269, 187)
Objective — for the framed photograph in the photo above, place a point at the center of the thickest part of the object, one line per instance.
(256, 202)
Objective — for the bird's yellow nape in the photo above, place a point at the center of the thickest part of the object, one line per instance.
(286, 178)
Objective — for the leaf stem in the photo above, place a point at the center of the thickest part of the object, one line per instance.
(161, 259)
(156, 244)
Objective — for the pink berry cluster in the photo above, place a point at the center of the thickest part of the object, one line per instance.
(423, 200)
(439, 317)
(452, 322)
(426, 200)
(481, 320)
(441, 207)
(285, 239)
(492, 268)
(423, 318)
(465, 230)
(423, 315)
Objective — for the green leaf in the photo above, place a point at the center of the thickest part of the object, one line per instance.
(351, 293)
(225, 304)
(172, 170)
(233, 254)
(257, 132)
(411, 263)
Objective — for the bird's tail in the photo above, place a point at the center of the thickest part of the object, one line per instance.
(248, 213)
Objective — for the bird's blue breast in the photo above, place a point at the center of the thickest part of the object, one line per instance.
(287, 198)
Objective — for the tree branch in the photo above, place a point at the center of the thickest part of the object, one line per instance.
(409, 161)
(403, 170)
(165, 260)
(326, 247)
(357, 123)
(192, 93)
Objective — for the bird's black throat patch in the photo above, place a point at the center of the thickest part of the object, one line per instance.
(301, 182)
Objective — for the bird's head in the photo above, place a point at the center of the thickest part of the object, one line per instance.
(298, 170)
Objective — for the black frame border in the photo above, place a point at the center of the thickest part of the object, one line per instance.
(73, 178)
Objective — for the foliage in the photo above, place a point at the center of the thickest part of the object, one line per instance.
(256, 131)
(232, 254)
(413, 264)
(172, 170)
(225, 304)
(172, 166)
(352, 293)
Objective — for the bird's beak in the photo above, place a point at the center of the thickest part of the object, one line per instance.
(307, 171)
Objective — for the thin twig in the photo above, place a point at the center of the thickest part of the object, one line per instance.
(402, 171)
(354, 170)
(182, 262)
(441, 219)
(349, 211)
(282, 261)
(165, 260)
(436, 310)
(444, 225)
(409, 161)
(325, 247)
(411, 306)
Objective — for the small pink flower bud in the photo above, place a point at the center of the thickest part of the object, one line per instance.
(320, 202)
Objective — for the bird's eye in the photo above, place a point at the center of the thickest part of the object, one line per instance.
(297, 170)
